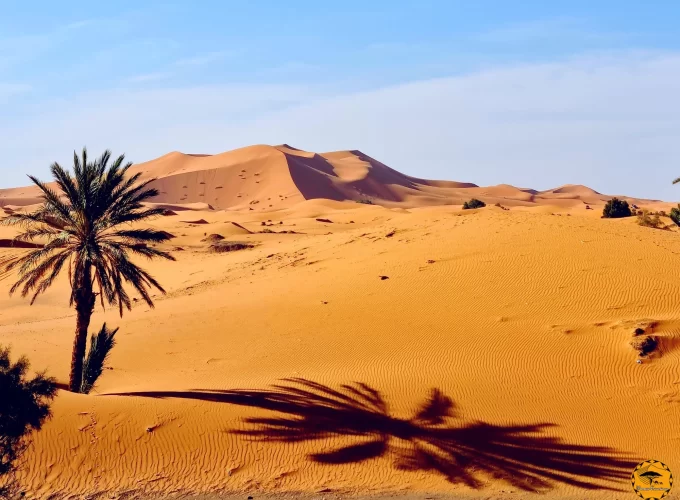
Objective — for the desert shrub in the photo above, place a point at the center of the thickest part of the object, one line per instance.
(100, 348)
(365, 201)
(615, 209)
(675, 215)
(648, 219)
(645, 345)
(24, 407)
(229, 246)
(473, 203)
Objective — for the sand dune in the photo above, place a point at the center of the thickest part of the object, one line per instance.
(367, 349)
(264, 178)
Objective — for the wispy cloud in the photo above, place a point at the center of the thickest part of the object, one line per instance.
(24, 48)
(601, 121)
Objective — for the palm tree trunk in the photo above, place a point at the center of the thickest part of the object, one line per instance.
(84, 300)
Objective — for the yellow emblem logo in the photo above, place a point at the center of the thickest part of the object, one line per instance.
(652, 480)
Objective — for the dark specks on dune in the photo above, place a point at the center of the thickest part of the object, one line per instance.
(325, 220)
(383, 278)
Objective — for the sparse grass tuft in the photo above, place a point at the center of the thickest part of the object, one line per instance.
(229, 246)
(649, 219)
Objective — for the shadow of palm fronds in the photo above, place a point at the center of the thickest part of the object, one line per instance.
(432, 440)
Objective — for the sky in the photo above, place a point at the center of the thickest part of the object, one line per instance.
(531, 93)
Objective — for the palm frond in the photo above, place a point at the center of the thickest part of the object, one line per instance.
(101, 345)
(676, 180)
(30, 279)
(43, 284)
(66, 183)
(141, 235)
(52, 203)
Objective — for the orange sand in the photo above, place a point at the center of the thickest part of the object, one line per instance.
(520, 316)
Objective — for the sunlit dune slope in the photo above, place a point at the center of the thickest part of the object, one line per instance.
(434, 351)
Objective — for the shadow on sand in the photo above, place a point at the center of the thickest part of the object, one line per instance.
(520, 455)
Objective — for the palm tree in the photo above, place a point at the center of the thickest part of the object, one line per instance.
(82, 225)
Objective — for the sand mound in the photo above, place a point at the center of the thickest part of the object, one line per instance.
(230, 228)
(573, 189)
(212, 238)
(181, 207)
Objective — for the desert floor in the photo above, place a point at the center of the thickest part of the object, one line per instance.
(306, 363)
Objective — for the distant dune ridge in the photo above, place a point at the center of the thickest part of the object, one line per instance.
(265, 177)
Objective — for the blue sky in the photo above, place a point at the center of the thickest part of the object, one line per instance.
(531, 93)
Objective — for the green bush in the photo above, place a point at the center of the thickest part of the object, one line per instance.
(615, 209)
(675, 215)
(473, 203)
(24, 407)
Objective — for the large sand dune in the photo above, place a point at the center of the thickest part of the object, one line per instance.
(403, 348)
(262, 178)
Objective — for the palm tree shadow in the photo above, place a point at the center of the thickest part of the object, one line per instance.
(521, 455)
